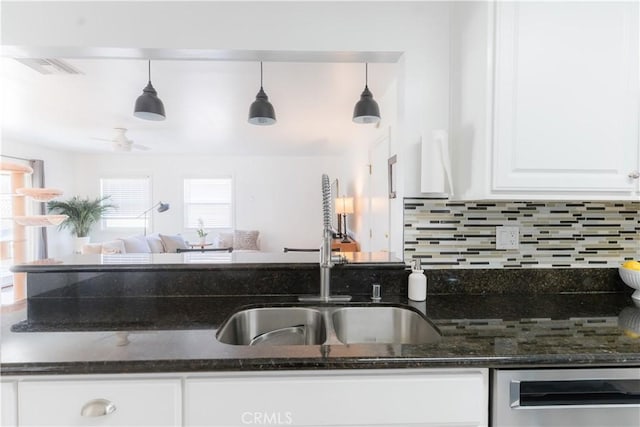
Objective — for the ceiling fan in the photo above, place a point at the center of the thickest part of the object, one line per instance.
(121, 143)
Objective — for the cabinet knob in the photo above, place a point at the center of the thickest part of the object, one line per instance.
(634, 175)
(97, 408)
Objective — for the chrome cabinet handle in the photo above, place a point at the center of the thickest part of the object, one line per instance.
(97, 408)
(634, 175)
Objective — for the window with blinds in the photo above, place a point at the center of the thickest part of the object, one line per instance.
(6, 209)
(209, 200)
(6, 232)
(132, 196)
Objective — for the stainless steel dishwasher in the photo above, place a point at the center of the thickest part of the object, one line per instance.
(566, 398)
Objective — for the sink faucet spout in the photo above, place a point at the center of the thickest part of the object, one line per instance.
(327, 260)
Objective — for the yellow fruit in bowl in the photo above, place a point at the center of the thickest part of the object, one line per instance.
(631, 334)
(632, 265)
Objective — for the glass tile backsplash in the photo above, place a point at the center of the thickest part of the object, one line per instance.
(455, 234)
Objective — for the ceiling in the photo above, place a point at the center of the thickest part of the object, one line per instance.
(206, 103)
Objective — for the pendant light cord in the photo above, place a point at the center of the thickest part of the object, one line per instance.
(366, 74)
(260, 74)
(149, 71)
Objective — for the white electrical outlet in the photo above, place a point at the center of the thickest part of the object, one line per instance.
(507, 237)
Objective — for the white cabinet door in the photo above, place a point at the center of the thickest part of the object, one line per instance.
(566, 106)
(9, 407)
(136, 402)
(333, 398)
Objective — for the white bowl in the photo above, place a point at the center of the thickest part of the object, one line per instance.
(629, 319)
(632, 279)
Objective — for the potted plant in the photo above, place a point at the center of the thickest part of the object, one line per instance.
(201, 233)
(82, 215)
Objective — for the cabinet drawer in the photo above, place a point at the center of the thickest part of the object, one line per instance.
(396, 398)
(136, 402)
(8, 410)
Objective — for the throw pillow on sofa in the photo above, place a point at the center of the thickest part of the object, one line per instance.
(105, 248)
(225, 240)
(113, 247)
(136, 245)
(155, 243)
(173, 243)
(246, 240)
(91, 248)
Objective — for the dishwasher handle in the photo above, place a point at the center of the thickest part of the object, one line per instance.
(592, 392)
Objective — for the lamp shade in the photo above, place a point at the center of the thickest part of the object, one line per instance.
(344, 205)
(261, 111)
(366, 110)
(148, 105)
(163, 207)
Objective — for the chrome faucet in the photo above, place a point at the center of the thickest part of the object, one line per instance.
(327, 260)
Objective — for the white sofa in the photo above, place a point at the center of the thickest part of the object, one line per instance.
(238, 240)
(153, 243)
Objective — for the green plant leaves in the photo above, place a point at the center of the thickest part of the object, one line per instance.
(82, 213)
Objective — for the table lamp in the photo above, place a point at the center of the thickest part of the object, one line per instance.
(344, 207)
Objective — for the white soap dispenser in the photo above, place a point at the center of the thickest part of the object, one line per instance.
(417, 282)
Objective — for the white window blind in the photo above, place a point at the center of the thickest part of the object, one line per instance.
(6, 230)
(6, 208)
(132, 196)
(210, 200)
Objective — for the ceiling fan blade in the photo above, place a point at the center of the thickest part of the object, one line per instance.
(121, 147)
(141, 147)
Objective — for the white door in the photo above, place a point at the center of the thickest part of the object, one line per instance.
(379, 196)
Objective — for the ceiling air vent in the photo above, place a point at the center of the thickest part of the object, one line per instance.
(49, 66)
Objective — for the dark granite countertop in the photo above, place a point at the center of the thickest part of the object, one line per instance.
(199, 261)
(541, 330)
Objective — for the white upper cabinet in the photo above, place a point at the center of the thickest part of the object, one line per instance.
(553, 97)
(566, 96)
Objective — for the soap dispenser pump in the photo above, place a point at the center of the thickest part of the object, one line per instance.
(417, 282)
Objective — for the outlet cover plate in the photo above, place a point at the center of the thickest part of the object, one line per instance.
(507, 237)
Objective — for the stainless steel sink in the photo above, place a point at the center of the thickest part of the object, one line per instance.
(333, 325)
(383, 325)
(274, 326)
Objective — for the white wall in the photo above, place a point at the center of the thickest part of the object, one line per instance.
(278, 196)
(58, 173)
(418, 29)
(356, 171)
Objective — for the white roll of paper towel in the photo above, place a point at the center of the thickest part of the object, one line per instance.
(435, 166)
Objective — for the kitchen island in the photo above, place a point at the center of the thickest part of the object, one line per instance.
(89, 317)
(137, 343)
